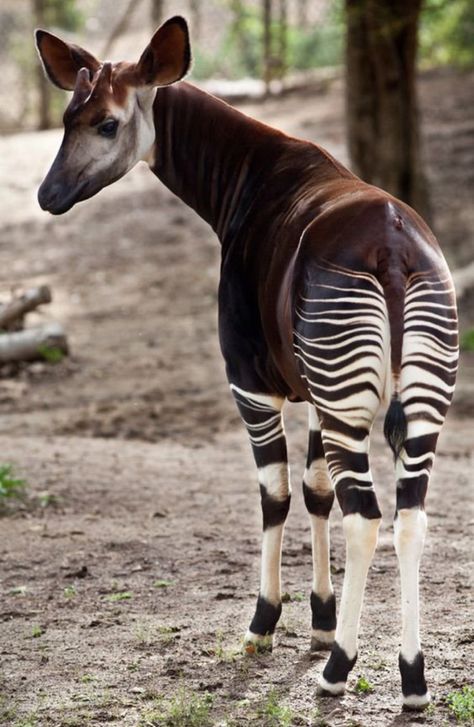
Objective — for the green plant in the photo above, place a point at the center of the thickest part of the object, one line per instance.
(467, 340)
(70, 591)
(51, 354)
(461, 704)
(273, 713)
(37, 631)
(184, 709)
(363, 686)
(162, 583)
(120, 596)
(10, 486)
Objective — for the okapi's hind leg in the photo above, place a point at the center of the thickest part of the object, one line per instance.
(318, 494)
(429, 355)
(262, 416)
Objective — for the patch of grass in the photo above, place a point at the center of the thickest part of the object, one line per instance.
(274, 714)
(220, 652)
(295, 597)
(162, 583)
(11, 487)
(51, 354)
(167, 634)
(87, 678)
(17, 591)
(363, 686)
(120, 596)
(70, 591)
(37, 631)
(467, 340)
(28, 721)
(461, 704)
(185, 709)
(48, 499)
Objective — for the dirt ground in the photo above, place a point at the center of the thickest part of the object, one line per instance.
(131, 572)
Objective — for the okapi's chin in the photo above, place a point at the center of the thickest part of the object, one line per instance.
(57, 199)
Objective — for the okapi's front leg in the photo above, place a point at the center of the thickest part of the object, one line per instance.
(262, 416)
(318, 494)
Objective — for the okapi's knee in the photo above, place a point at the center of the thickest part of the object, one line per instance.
(317, 489)
(275, 493)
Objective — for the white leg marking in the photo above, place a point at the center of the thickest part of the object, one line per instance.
(416, 701)
(335, 689)
(361, 541)
(409, 537)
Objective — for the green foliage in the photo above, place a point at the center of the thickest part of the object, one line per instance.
(37, 631)
(241, 51)
(461, 704)
(63, 14)
(10, 486)
(185, 709)
(363, 686)
(446, 33)
(51, 354)
(467, 340)
(120, 596)
(274, 714)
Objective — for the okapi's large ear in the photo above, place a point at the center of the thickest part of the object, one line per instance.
(167, 57)
(62, 60)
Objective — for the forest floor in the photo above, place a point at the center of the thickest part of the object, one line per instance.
(130, 574)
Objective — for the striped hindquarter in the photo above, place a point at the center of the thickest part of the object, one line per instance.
(342, 342)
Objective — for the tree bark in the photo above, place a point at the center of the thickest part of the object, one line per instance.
(33, 344)
(44, 89)
(382, 110)
(120, 27)
(12, 313)
(283, 38)
(195, 12)
(157, 12)
(267, 44)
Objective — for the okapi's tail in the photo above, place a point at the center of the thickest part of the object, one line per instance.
(395, 424)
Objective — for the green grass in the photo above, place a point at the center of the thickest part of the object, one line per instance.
(467, 340)
(51, 354)
(70, 591)
(461, 704)
(11, 487)
(120, 596)
(162, 583)
(363, 686)
(37, 631)
(185, 709)
(273, 714)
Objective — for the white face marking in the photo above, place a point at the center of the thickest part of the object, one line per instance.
(100, 160)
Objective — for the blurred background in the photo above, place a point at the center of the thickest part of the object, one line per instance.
(387, 87)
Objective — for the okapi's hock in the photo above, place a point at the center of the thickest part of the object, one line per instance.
(331, 292)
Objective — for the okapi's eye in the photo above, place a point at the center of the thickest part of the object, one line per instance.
(108, 128)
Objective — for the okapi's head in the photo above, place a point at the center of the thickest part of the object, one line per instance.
(108, 125)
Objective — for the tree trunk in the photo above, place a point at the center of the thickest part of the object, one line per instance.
(267, 44)
(47, 343)
(44, 89)
(157, 12)
(283, 38)
(195, 12)
(120, 27)
(382, 112)
(302, 14)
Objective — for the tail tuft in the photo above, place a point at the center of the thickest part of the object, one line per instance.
(395, 426)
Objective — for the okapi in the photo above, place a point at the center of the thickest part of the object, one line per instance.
(332, 292)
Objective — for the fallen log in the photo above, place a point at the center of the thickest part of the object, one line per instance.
(44, 343)
(16, 309)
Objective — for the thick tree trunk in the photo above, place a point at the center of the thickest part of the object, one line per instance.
(157, 12)
(12, 313)
(382, 112)
(33, 344)
(282, 38)
(267, 43)
(195, 7)
(44, 89)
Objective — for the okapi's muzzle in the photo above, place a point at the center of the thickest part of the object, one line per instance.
(58, 191)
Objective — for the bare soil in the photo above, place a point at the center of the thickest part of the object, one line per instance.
(141, 480)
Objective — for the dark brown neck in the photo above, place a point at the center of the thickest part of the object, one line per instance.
(211, 155)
